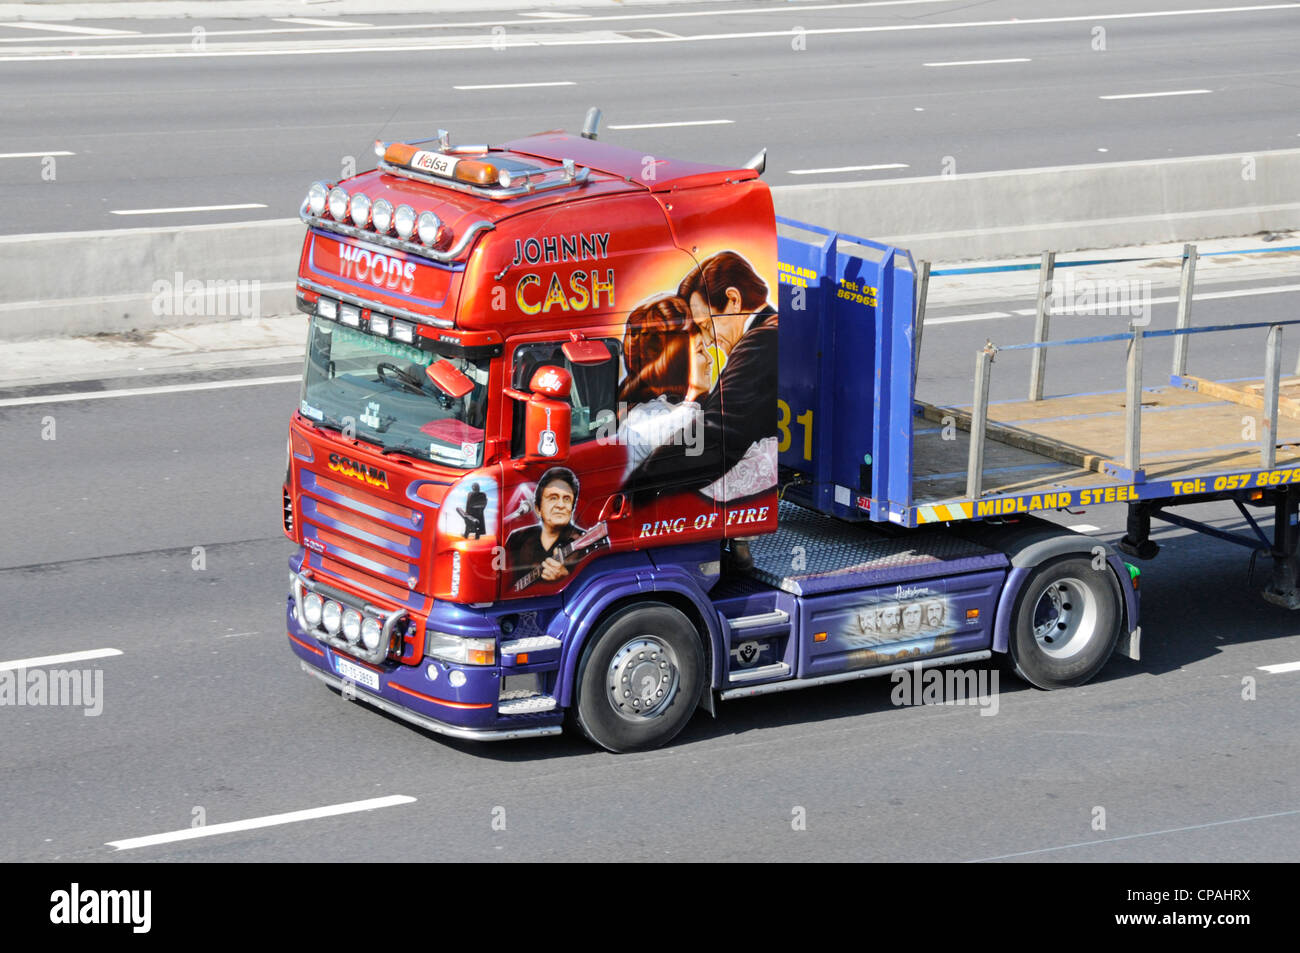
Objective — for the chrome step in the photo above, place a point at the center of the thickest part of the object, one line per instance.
(534, 643)
(524, 703)
(775, 670)
(762, 619)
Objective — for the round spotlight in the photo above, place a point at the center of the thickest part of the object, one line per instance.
(428, 226)
(311, 607)
(338, 204)
(371, 630)
(317, 196)
(360, 209)
(381, 214)
(352, 625)
(332, 615)
(404, 221)
(504, 179)
(457, 678)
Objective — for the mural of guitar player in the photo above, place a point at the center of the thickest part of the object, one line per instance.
(714, 343)
(548, 550)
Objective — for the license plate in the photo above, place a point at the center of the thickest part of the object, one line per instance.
(354, 672)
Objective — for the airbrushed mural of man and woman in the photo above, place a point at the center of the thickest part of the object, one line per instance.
(696, 412)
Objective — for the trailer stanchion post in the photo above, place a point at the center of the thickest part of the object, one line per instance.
(979, 417)
(1038, 369)
(1272, 376)
(918, 324)
(1185, 286)
(1281, 590)
(1133, 414)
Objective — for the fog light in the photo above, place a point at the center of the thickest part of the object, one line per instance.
(457, 678)
(316, 198)
(338, 204)
(381, 216)
(360, 210)
(352, 625)
(427, 226)
(404, 221)
(371, 630)
(327, 308)
(311, 607)
(432, 671)
(404, 331)
(350, 315)
(379, 324)
(332, 616)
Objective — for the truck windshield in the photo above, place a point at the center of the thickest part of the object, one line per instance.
(378, 388)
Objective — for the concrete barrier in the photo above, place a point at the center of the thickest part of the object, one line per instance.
(127, 280)
(1025, 212)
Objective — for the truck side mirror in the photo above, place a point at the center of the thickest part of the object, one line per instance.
(546, 429)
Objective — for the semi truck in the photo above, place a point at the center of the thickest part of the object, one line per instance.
(594, 438)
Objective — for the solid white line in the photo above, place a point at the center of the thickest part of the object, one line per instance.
(1279, 669)
(580, 39)
(304, 21)
(563, 82)
(33, 155)
(253, 823)
(63, 28)
(148, 391)
(555, 15)
(190, 208)
(1172, 92)
(1014, 59)
(668, 125)
(1163, 299)
(850, 168)
(1084, 528)
(962, 318)
(58, 659)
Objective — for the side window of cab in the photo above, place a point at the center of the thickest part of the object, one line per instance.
(593, 396)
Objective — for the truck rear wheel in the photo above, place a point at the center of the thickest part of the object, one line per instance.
(640, 678)
(1066, 623)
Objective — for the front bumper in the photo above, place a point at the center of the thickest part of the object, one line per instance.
(424, 721)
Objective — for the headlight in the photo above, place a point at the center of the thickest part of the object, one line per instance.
(453, 648)
(311, 608)
(428, 226)
(381, 216)
(338, 204)
(332, 614)
(316, 198)
(352, 625)
(404, 221)
(360, 209)
(371, 630)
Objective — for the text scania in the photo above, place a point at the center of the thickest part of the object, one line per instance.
(380, 270)
(358, 471)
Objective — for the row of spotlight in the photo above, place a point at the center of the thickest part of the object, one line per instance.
(334, 618)
(379, 215)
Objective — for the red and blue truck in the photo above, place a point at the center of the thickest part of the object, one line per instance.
(591, 435)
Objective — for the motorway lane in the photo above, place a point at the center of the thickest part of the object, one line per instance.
(258, 129)
(206, 706)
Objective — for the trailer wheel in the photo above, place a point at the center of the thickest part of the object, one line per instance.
(640, 678)
(1066, 623)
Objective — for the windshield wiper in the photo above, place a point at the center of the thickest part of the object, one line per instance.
(409, 449)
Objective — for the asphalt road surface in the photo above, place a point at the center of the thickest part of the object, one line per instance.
(158, 125)
(149, 525)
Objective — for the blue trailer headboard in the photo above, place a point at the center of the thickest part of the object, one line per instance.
(846, 380)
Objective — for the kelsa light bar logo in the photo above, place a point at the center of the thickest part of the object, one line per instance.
(372, 476)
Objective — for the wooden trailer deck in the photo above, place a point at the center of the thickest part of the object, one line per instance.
(1036, 449)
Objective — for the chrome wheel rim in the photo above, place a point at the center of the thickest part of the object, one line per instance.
(1065, 618)
(643, 678)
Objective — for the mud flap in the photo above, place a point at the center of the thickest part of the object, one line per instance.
(1130, 646)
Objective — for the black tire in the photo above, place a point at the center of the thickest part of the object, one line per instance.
(654, 651)
(1066, 623)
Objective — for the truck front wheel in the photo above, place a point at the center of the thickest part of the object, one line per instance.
(1066, 623)
(640, 678)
